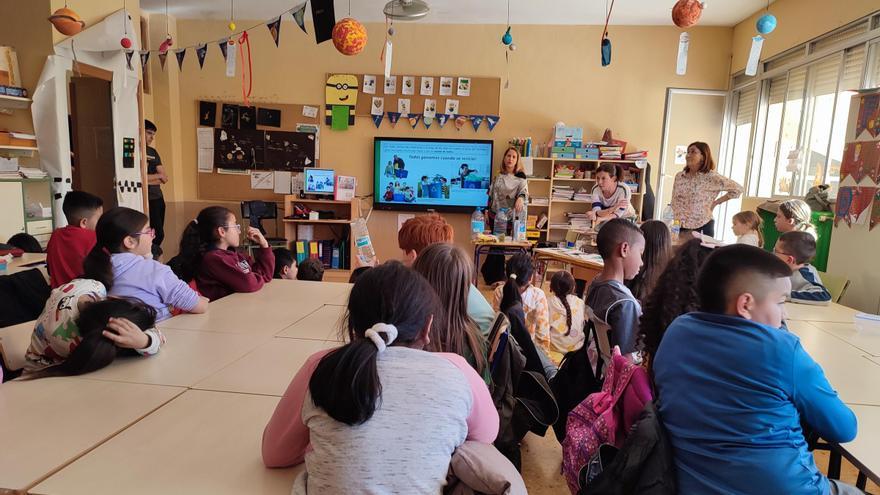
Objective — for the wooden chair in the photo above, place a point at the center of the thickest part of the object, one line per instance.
(837, 286)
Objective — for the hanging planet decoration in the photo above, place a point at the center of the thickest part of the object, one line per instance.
(512, 47)
(349, 36)
(686, 13)
(507, 39)
(231, 26)
(125, 42)
(766, 24)
(166, 44)
(67, 22)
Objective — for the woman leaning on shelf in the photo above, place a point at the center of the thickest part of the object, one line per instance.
(509, 189)
(696, 189)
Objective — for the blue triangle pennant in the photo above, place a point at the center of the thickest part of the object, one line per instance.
(476, 120)
(414, 120)
(377, 119)
(427, 121)
(393, 117)
(492, 121)
(441, 119)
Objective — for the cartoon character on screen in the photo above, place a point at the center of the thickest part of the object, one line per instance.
(340, 95)
(389, 192)
(423, 186)
(389, 169)
(408, 195)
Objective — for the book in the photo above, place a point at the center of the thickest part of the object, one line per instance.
(313, 249)
(300, 251)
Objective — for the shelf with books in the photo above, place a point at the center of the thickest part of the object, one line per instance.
(316, 237)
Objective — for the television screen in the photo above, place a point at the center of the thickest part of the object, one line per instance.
(449, 175)
(319, 181)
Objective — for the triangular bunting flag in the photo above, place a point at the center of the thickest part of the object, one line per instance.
(201, 52)
(492, 121)
(441, 119)
(460, 120)
(414, 120)
(476, 120)
(128, 55)
(299, 15)
(428, 121)
(377, 119)
(180, 54)
(145, 56)
(162, 57)
(275, 29)
(224, 43)
(393, 117)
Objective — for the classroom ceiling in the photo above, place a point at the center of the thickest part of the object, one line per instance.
(586, 12)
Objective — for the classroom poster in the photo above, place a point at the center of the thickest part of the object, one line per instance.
(451, 106)
(369, 86)
(378, 106)
(409, 85)
(852, 205)
(445, 86)
(262, 179)
(464, 86)
(236, 149)
(391, 85)
(430, 108)
(289, 150)
(861, 159)
(427, 86)
(868, 118)
(875, 210)
(403, 106)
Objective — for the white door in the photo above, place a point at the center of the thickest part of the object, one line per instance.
(12, 206)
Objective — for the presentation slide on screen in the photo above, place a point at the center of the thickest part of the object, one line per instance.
(433, 172)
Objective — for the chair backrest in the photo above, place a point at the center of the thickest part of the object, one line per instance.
(255, 211)
(14, 343)
(836, 285)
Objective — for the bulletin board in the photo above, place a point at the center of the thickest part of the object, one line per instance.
(484, 98)
(230, 187)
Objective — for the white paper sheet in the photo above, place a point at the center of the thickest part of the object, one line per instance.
(390, 87)
(464, 86)
(262, 179)
(230, 59)
(205, 137)
(282, 182)
(310, 112)
(754, 56)
(206, 160)
(445, 86)
(409, 85)
(296, 182)
(681, 63)
(426, 88)
(369, 85)
(378, 106)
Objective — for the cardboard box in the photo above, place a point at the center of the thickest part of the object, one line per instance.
(563, 149)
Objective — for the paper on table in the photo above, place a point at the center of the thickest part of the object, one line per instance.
(282, 182)
(310, 112)
(206, 160)
(262, 179)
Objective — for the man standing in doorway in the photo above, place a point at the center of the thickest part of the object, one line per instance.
(155, 178)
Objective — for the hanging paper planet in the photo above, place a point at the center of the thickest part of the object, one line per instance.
(67, 22)
(766, 24)
(512, 47)
(125, 42)
(231, 26)
(349, 36)
(507, 39)
(686, 13)
(166, 44)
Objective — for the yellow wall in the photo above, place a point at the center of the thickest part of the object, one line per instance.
(29, 33)
(555, 75)
(798, 21)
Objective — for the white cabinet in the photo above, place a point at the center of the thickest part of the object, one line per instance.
(11, 209)
(15, 195)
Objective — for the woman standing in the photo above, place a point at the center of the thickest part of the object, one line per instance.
(696, 189)
(509, 190)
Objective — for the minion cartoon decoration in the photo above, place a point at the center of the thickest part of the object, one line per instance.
(341, 98)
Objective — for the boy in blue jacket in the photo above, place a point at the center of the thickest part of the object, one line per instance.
(796, 249)
(733, 386)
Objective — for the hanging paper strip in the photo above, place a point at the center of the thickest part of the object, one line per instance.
(476, 120)
(427, 121)
(201, 51)
(224, 43)
(393, 117)
(441, 119)
(145, 56)
(229, 52)
(460, 121)
(299, 15)
(246, 93)
(492, 121)
(275, 29)
(128, 55)
(754, 55)
(414, 120)
(875, 210)
(681, 63)
(180, 54)
(162, 57)
(377, 119)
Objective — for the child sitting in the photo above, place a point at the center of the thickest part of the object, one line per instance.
(796, 248)
(747, 227)
(122, 261)
(357, 272)
(70, 245)
(611, 199)
(534, 301)
(566, 317)
(658, 250)
(207, 252)
(79, 331)
(734, 386)
(610, 305)
(311, 270)
(285, 264)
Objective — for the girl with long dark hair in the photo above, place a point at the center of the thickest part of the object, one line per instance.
(658, 250)
(566, 317)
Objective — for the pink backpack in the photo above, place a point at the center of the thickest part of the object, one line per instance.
(604, 417)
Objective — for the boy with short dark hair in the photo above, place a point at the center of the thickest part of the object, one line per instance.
(69, 245)
(285, 264)
(796, 249)
(311, 269)
(610, 304)
(734, 386)
(156, 176)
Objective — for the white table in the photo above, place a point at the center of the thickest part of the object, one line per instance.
(867, 341)
(200, 443)
(47, 423)
(863, 451)
(811, 312)
(14, 343)
(323, 324)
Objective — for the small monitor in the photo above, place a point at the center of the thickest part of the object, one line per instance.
(319, 181)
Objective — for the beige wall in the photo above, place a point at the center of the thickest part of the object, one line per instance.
(29, 33)
(555, 75)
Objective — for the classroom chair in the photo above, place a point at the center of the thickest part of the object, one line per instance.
(836, 285)
(256, 211)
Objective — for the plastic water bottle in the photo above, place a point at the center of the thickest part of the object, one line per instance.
(501, 220)
(478, 223)
(668, 216)
(366, 255)
(676, 230)
(519, 227)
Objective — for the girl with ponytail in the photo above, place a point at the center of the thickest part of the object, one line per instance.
(208, 255)
(566, 317)
(519, 288)
(122, 261)
(380, 413)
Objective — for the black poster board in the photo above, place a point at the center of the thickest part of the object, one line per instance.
(289, 150)
(239, 149)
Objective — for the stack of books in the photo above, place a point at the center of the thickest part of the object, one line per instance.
(539, 201)
(583, 195)
(636, 155)
(578, 221)
(610, 152)
(32, 173)
(562, 192)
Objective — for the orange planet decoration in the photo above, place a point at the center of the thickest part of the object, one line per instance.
(349, 36)
(686, 13)
(67, 22)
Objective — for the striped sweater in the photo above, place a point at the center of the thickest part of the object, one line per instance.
(807, 288)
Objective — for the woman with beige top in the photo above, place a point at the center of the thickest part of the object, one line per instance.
(696, 189)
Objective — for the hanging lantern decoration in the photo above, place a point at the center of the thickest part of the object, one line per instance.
(686, 13)
(67, 22)
(166, 44)
(507, 39)
(766, 24)
(349, 36)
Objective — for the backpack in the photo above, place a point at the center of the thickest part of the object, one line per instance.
(604, 417)
(574, 381)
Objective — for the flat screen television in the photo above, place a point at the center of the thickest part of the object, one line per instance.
(448, 175)
(319, 181)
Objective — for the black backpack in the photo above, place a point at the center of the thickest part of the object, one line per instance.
(575, 380)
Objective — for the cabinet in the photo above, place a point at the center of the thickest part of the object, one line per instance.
(332, 232)
(15, 196)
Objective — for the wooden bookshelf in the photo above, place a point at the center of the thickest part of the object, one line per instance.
(336, 229)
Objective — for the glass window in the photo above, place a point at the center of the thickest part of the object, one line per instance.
(763, 168)
(822, 90)
(873, 72)
(853, 63)
(746, 104)
(791, 125)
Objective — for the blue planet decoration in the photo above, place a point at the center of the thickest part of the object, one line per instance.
(766, 24)
(507, 39)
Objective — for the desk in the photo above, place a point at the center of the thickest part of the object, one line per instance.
(503, 248)
(267, 370)
(586, 265)
(199, 443)
(14, 343)
(28, 261)
(810, 312)
(47, 423)
(867, 341)
(323, 325)
(863, 451)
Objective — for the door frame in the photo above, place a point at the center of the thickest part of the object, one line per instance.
(664, 137)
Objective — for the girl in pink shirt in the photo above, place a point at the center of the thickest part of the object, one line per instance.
(380, 413)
